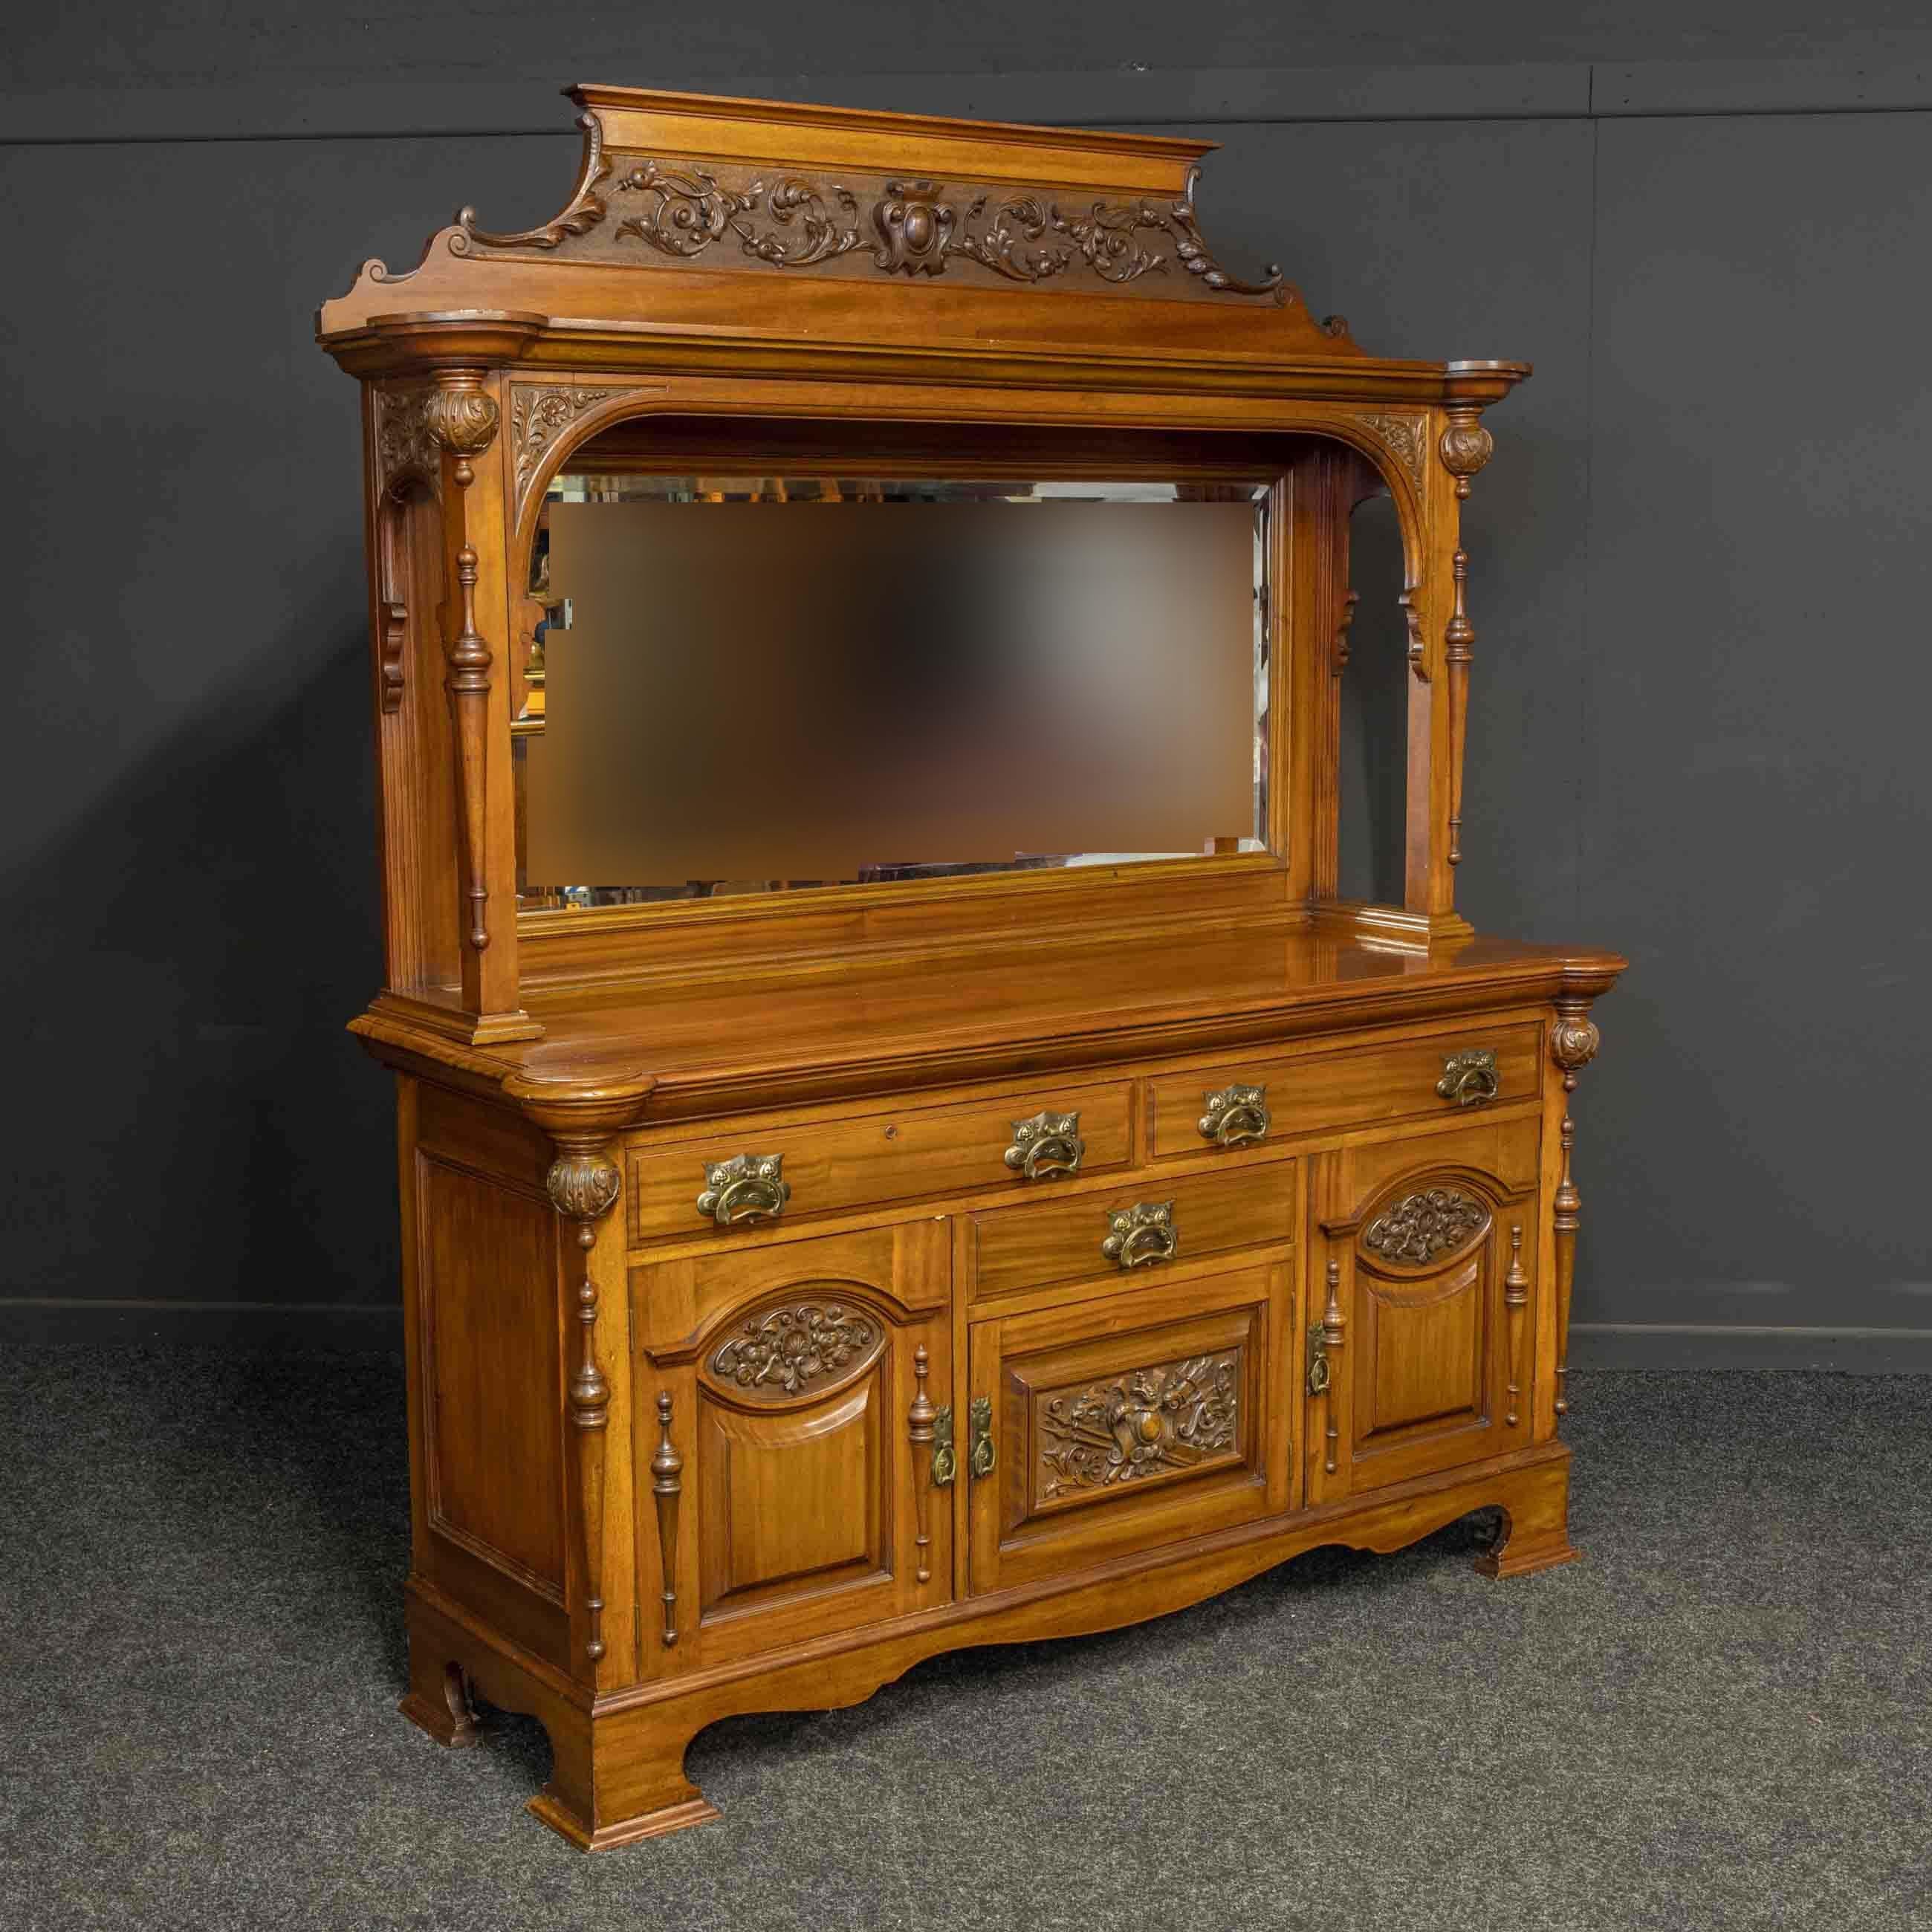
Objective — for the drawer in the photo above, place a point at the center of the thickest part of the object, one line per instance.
(838, 1165)
(1356, 1087)
(1096, 1236)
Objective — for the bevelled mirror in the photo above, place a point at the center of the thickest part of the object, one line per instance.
(744, 683)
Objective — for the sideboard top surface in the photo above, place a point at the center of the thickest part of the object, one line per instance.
(1053, 1002)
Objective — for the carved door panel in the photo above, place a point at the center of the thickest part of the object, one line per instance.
(1419, 1348)
(787, 1446)
(1115, 1426)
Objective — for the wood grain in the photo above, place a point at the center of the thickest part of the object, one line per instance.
(665, 1470)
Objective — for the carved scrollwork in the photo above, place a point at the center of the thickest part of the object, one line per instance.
(1401, 433)
(903, 226)
(785, 1350)
(1169, 1416)
(536, 416)
(689, 209)
(586, 209)
(1423, 1227)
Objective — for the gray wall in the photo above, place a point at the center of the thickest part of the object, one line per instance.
(1700, 581)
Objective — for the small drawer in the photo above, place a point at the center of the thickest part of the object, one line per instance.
(838, 1166)
(1124, 1232)
(1449, 1074)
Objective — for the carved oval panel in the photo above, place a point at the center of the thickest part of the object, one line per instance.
(1425, 1228)
(810, 1342)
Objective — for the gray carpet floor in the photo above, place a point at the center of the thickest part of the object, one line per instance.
(1722, 1717)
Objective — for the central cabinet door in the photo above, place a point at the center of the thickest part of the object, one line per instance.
(1118, 1425)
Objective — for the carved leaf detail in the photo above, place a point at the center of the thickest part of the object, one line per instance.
(1168, 1417)
(1422, 1227)
(406, 452)
(1402, 434)
(583, 1186)
(536, 416)
(787, 1349)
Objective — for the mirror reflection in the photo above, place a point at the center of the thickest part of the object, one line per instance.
(752, 684)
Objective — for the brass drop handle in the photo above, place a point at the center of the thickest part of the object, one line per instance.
(1046, 1144)
(747, 1187)
(1318, 1374)
(1235, 1115)
(945, 1460)
(980, 1455)
(1470, 1078)
(1141, 1234)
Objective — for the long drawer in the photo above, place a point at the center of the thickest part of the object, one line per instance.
(1133, 1230)
(838, 1166)
(1355, 1087)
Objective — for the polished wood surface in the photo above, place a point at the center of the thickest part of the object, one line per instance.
(801, 1284)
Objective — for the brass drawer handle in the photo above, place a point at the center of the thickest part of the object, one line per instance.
(1470, 1078)
(1141, 1234)
(980, 1455)
(1049, 1143)
(1235, 1115)
(747, 1187)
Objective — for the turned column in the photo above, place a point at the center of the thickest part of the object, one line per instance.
(1573, 1041)
(584, 1183)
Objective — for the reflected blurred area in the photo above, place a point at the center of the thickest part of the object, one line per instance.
(755, 684)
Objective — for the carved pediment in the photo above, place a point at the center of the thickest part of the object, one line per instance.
(639, 209)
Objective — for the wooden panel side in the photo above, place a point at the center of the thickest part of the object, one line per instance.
(489, 1261)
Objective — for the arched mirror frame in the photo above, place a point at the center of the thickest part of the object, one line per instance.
(1334, 460)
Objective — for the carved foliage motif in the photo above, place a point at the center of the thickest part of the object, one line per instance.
(908, 227)
(536, 416)
(460, 419)
(582, 1187)
(1423, 1227)
(415, 426)
(405, 451)
(1168, 1417)
(783, 1350)
(1401, 433)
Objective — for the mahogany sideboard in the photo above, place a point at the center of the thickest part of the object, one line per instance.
(802, 1277)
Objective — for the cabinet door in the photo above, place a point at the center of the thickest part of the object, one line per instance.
(1420, 1345)
(1116, 1426)
(804, 1415)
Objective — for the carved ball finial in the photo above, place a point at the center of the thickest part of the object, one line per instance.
(1464, 447)
(583, 1186)
(1573, 1041)
(461, 418)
